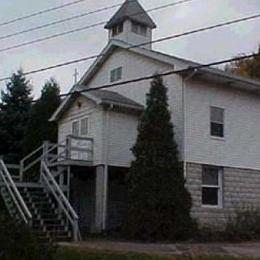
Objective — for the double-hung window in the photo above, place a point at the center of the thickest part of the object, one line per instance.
(75, 128)
(84, 127)
(80, 127)
(116, 74)
(212, 186)
(217, 122)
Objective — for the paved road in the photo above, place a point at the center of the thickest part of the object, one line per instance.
(185, 249)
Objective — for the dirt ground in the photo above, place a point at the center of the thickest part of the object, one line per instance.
(185, 249)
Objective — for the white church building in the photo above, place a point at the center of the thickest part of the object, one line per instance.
(217, 127)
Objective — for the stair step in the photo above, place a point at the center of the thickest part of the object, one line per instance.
(56, 228)
(61, 239)
(48, 224)
(38, 204)
(58, 233)
(52, 221)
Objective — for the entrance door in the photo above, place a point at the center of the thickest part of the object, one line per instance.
(83, 197)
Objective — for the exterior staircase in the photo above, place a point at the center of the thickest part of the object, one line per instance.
(48, 224)
(44, 204)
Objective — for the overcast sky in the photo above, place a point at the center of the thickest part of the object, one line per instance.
(203, 47)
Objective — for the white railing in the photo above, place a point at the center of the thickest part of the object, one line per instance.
(54, 188)
(27, 163)
(14, 170)
(15, 195)
(73, 149)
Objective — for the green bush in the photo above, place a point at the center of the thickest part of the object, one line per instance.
(207, 234)
(18, 242)
(245, 226)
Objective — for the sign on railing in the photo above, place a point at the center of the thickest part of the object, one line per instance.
(80, 149)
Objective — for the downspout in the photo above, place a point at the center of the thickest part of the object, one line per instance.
(106, 166)
(184, 83)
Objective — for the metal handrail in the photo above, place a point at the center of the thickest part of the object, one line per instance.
(61, 199)
(15, 194)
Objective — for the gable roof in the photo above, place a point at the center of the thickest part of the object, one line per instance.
(206, 73)
(113, 98)
(100, 97)
(131, 9)
(176, 62)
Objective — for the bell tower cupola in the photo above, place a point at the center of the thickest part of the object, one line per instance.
(131, 24)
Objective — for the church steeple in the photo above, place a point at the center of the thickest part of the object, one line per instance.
(131, 24)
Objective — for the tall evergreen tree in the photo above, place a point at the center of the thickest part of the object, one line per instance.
(39, 128)
(15, 108)
(158, 203)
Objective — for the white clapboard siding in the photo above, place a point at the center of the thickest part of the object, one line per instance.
(240, 147)
(122, 133)
(94, 114)
(135, 66)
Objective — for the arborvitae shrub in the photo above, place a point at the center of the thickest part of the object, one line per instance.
(158, 202)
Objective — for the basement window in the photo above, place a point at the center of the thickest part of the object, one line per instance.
(116, 74)
(217, 122)
(212, 186)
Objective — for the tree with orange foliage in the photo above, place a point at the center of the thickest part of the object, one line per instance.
(248, 67)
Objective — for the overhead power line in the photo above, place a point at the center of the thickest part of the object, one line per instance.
(77, 17)
(84, 27)
(168, 73)
(67, 63)
(41, 12)
(58, 22)
(171, 72)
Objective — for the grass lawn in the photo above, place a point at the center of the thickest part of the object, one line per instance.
(76, 254)
(73, 254)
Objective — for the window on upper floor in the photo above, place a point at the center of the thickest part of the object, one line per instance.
(80, 127)
(117, 29)
(116, 74)
(212, 186)
(139, 28)
(217, 122)
(84, 126)
(75, 128)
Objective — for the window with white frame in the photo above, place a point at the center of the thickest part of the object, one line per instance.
(139, 28)
(116, 74)
(212, 186)
(75, 128)
(84, 126)
(217, 122)
(81, 127)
